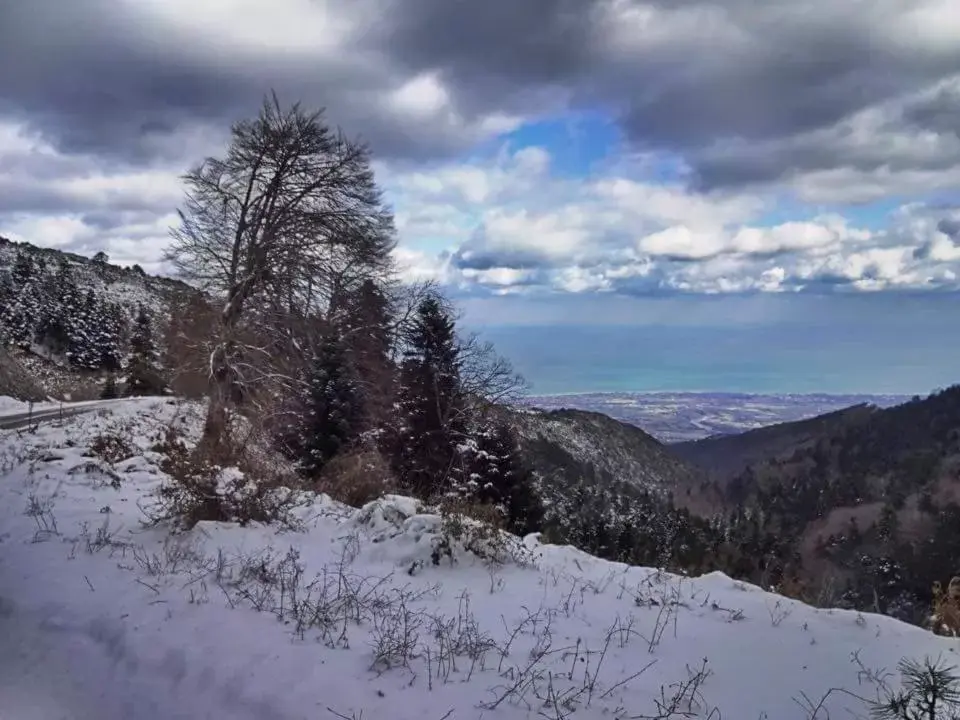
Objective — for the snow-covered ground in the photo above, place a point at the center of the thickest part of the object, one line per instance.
(102, 617)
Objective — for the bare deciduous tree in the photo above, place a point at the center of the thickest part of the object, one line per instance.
(290, 217)
(485, 376)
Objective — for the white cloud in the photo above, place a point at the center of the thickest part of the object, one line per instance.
(510, 224)
(290, 26)
(516, 224)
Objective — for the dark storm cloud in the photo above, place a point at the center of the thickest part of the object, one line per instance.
(893, 139)
(747, 93)
(95, 78)
(85, 75)
(938, 112)
(949, 227)
(467, 258)
(493, 52)
(771, 72)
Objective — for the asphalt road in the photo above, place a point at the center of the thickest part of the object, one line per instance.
(23, 420)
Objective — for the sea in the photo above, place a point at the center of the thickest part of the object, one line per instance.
(683, 383)
(569, 360)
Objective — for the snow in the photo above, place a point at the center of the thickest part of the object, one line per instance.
(11, 406)
(102, 617)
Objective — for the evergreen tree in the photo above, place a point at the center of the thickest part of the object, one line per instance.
(364, 324)
(143, 370)
(333, 408)
(22, 308)
(109, 333)
(432, 423)
(500, 477)
(888, 524)
(7, 299)
(59, 330)
(82, 319)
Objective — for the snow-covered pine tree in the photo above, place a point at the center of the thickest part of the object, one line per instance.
(83, 320)
(62, 307)
(431, 406)
(7, 298)
(109, 337)
(333, 414)
(143, 370)
(24, 269)
(501, 478)
(22, 310)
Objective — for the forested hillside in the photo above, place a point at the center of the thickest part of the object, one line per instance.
(858, 507)
(69, 322)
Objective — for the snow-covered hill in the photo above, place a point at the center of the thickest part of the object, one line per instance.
(349, 616)
(128, 287)
(66, 320)
(566, 444)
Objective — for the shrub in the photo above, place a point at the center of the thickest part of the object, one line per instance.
(477, 528)
(221, 482)
(945, 619)
(356, 478)
(111, 448)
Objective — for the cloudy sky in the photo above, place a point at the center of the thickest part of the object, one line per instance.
(546, 159)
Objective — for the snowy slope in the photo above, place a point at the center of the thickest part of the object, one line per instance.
(103, 618)
(565, 444)
(117, 284)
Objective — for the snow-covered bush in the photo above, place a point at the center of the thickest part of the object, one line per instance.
(437, 534)
(217, 483)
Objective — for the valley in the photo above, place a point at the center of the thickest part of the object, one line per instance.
(681, 417)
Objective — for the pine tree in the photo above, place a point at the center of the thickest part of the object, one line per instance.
(501, 478)
(21, 310)
(7, 298)
(431, 406)
(109, 337)
(333, 408)
(24, 269)
(82, 319)
(364, 324)
(143, 371)
(58, 329)
(888, 524)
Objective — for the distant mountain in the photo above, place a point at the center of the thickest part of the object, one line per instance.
(856, 508)
(723, 457)
(612, 489)
(674, 417)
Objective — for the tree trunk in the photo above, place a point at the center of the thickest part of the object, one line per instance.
(220, 386)
(215, 425)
